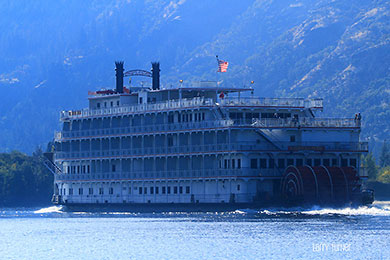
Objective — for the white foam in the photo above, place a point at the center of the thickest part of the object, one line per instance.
(381, 208)
(52, 209)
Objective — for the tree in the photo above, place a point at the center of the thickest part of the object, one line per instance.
(384, 175)
(384, 159)
(370, 165)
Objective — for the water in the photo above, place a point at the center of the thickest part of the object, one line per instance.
(316, 233)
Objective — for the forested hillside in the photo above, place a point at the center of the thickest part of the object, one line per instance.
(53, 52)
(24, 180)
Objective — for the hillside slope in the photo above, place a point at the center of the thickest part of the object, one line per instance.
(54, 52)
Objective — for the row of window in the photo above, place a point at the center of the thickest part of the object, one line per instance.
(141, 190)
(250, 115)
(230, 164)
(105, 104)
(187, 117)
(263, 163)
(78, 169)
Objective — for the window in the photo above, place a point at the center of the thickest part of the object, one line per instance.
(239, 163)
(98, 105)
(352, 162)
(157, 190)
(117, 103)
(145, 190)
(317, 162)
(80, 191)
(101, 191)
(170, 141)
(140, 100)
(226, 163)
(326, 162)
(238, 187)
(140, 190)
(175, 190)
(70, 191)
(334, 162)
(263, 163)
(299, 162)
(308, 162)
(181, 189)
(90, 191)
(129, 190)
(281, 163)
(203, 116)
(111, 191)
(233, 163)
(187, 189)
(292, 138)
(271, 163)
(113, 168)
(105, 104)
(88, 169)
(253, 163)
(112, 104)
(169, 190)
(78, 168)
(163, 189)
(151, 190)
(290, 162)
(170, 119)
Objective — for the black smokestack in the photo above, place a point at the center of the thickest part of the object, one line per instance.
(156, 75)
(119, 76)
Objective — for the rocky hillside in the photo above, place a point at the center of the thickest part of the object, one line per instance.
(54, 52)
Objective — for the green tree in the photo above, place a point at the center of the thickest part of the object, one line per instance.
(384, 159)
(384, 175)
(24, 180)
(370, 165)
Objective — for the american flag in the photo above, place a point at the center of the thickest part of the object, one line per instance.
(222, 65)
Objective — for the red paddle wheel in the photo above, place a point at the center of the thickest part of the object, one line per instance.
(319, 184)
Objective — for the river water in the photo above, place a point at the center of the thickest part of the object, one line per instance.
(315, 233)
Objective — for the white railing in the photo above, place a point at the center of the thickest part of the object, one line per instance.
(219, 148)
(195, 102)
(183, 103)
(172, 173)
(306, 122)
(272, 102)
(147, 128)
(257, 123)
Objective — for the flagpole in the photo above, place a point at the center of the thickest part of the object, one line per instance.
(217, 70)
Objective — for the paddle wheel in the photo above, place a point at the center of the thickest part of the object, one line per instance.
(320, 184)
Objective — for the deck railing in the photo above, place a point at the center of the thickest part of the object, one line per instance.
(195, 102)
(305, 122)
(257, 123)
(272, 102)
(219, 148)
(243, 172)
(183, 103)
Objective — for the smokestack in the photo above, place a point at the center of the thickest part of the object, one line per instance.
(155, 75)
(119, 76)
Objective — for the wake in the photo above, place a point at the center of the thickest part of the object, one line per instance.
(378, 208)
(52, 209)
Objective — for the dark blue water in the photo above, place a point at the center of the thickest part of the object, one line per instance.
(49, 233)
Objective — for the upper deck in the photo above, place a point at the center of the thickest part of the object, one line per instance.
(188, 103)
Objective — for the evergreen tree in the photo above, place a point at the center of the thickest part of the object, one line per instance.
(370, 165)
(384, 159)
